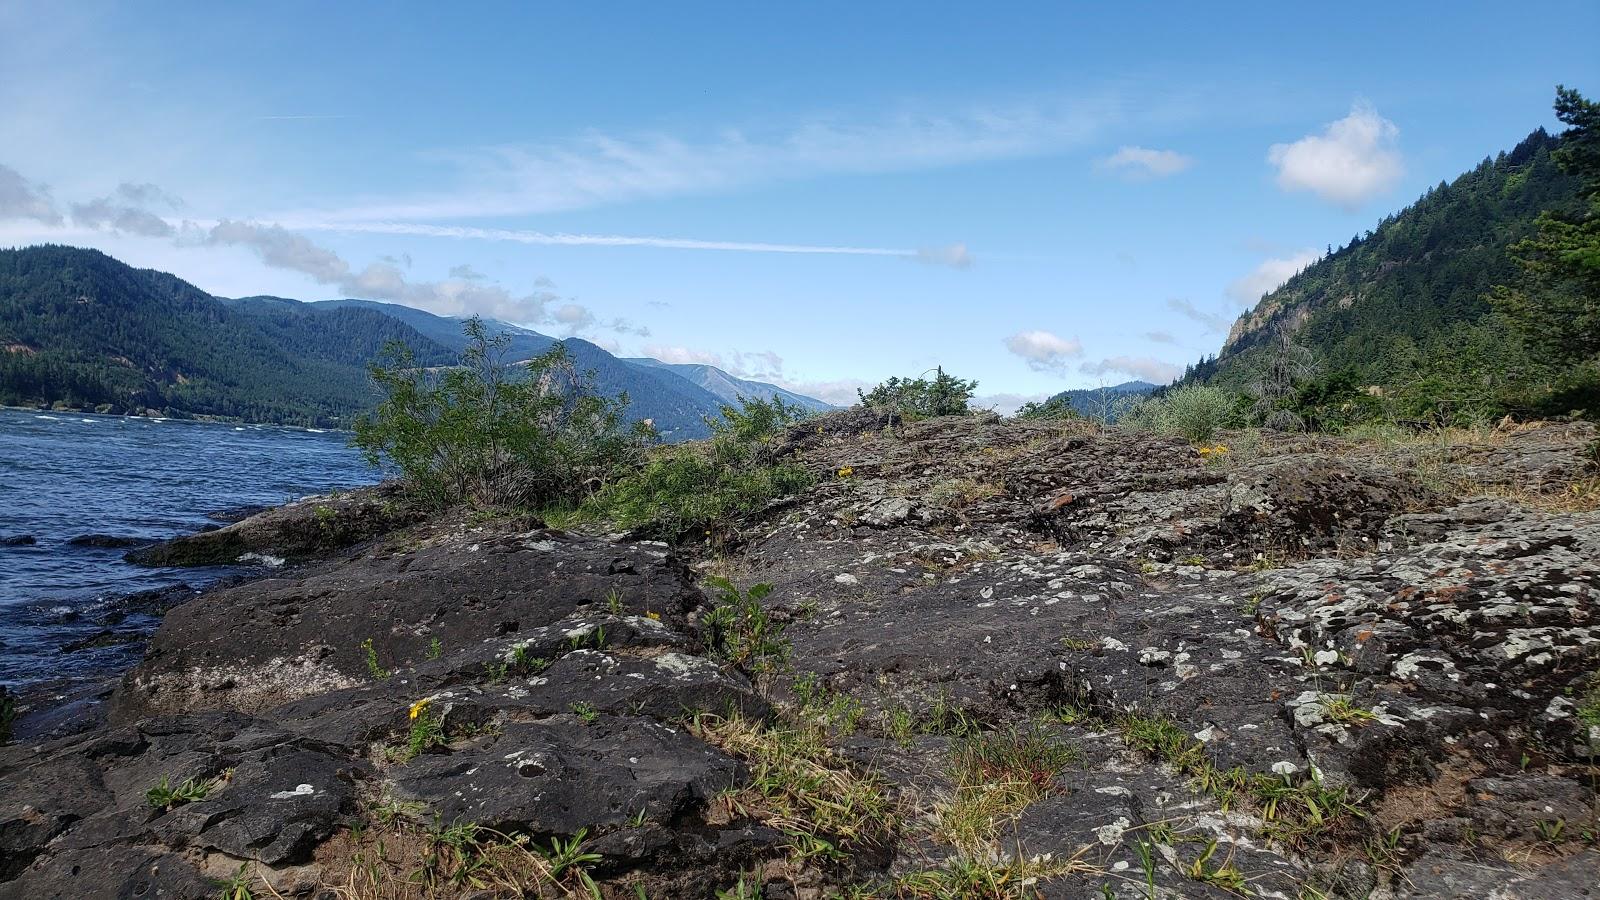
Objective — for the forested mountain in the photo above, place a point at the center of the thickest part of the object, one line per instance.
(80, 329)
(1401, 318)
(676, 398)
(674, 406)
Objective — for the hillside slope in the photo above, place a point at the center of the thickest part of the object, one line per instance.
(1402, 311)
(82, 329)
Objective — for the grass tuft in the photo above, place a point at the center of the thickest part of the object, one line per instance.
(997, 775)
(799, 786)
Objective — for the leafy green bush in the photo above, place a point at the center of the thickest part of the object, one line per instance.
(919, 398)
(493, 434)
(1194, 412)
(689, 487)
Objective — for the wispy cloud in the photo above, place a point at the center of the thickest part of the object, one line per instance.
(1142, 367)
(1353, 160)
(955, 255)
(1268, 275)
(1142, 163)
(1160, 337)
(840, 392)
(455, 296)
(763, 364)
(127, 211)
(598, 169)
(21, 199)
(1214, 322)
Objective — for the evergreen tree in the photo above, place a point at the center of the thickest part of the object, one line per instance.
(1557, 308)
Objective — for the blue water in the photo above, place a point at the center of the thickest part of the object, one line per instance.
(68, 474)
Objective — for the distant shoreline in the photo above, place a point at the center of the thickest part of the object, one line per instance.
(201, 419)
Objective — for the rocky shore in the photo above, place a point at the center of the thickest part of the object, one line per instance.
(998, 659)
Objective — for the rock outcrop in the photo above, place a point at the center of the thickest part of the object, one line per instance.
(297, 531)
(1078, 664)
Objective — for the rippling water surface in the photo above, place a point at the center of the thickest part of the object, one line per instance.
(63, 610)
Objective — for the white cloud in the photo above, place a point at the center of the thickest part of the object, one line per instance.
(1160, 337)
(1141, 367)
(599, 169)
(1350, 162)
(106, 214)
(1268, 276)
(21, 200)
(1142, 163)
(1044, 351)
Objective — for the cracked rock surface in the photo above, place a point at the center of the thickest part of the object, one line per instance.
(1301, 667)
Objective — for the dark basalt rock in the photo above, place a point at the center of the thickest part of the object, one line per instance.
(18, 540)
(108, 541)
(305, 529)
(112, 872)
(559, 776)
(1298, 612)
(308, 634)
(236, 514)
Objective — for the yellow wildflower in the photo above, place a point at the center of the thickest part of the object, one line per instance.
(418, 707)
(846, 472)
(651, 614)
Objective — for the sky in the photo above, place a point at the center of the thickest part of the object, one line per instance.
(822, 195)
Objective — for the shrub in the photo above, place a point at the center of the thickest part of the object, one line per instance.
(693, 486)
(1194, 412)
(495, 434)
(919, 398)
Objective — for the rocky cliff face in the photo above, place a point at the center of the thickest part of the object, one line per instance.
(1021, 659)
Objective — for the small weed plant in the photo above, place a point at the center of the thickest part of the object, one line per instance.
(741, 631)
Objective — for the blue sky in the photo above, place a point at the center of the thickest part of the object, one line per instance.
(1038, 197)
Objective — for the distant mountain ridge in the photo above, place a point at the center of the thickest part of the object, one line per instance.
(675, 407)
(732, 388)
(82, 330)
(1104, 402)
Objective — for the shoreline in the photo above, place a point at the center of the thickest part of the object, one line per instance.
(201, 419)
